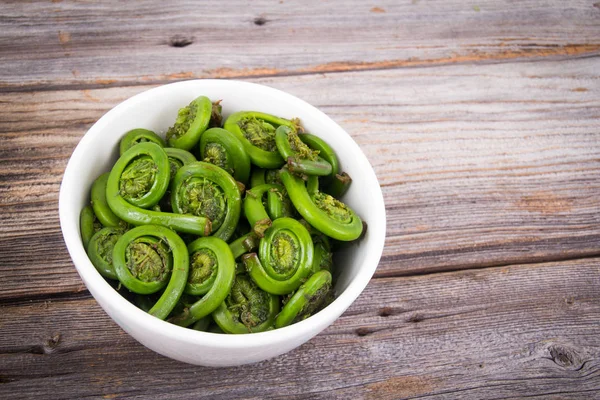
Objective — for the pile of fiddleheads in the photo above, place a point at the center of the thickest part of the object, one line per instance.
(222, 226)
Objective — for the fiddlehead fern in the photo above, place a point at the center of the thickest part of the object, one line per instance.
(222, 148)
(119, 190)
(323, 258)
(339, 185)
(148, 258)
(324, 212)
(279, 204)
(178, 158)
(300, 158)
(324, 150)
(205, 190)
(191, 122)
(211, 260)
(100, 205)
(136, 136)
(254, 207)
(260, 176)
(336, 184)
(144, 173)
(261, 210)
(256, 131)
(212, 272)
(88, 225)
(285, 257)
(100, 250)
(247, 309)
(202, 324)
(244, 244)
(307, 300)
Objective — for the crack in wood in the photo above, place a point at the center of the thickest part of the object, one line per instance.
(479, 265)
(526, 54)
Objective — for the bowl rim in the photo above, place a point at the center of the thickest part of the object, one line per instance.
(101, 288)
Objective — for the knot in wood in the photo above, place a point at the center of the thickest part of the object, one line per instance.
(565, 357)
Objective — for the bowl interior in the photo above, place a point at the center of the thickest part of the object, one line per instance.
(157, 109)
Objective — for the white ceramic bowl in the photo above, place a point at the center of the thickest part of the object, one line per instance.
(156, 109)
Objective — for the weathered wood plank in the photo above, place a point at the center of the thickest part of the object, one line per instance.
(47, 44)
(506, 332)
(480, 165)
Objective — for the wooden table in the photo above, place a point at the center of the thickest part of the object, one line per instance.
(481, 119)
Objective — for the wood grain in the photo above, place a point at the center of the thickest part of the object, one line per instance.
(480, 118)
(480, 165)
(486, 334)
(46, 45)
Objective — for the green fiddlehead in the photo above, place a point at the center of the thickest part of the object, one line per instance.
(100, 250)
(211, 274)
(307, 300)
(260, 176)
(279, 204)
(178, 158)
(100, 205)
(325, 151)
(256, 131)
(300, 158)
(136, 136)
(285, 257)
(143, 174)
(202, 324)
(211, 262)
(222, 148)
(148, 258)
(134, 213)
(205, 190)
(88, 225)
(327, 214)
(339, 185)
(144, 302)
(247, 309)
(336, 184)
(191, 122)
(254, 207)
(257, 177)
(323, 258)
(244, 244)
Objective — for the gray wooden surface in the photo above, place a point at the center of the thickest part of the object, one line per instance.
(481, 119)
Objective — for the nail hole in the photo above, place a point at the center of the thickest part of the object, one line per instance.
(260, 21)
(386, 311)
(180, 41)
(569, 300)
(363, 331)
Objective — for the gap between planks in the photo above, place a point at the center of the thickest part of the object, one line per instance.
(82, 293)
